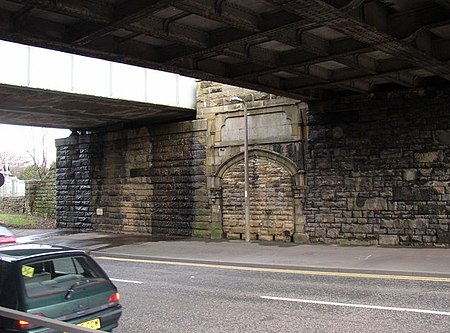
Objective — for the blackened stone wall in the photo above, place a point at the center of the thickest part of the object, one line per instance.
(146, 180)
(76, 163)
(378, 171)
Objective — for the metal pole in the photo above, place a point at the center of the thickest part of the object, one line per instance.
(246, 190)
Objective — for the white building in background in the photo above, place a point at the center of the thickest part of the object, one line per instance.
(10, 186)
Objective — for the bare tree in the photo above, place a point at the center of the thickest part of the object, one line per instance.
(14, 161)
(9, 157)
(36, 146)
(38, 152)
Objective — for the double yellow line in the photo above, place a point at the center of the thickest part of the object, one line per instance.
(285, 271)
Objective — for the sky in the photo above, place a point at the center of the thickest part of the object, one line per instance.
(34, 67)
(20, 140)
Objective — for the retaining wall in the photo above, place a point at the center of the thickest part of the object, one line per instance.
(147, 180)
(378, 171)
(353, 171)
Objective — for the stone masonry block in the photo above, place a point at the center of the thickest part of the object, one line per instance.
(428, 157)
(357, 228)
(369, 204)
(388, 240)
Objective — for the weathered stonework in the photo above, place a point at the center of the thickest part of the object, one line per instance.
(352, 172)
(39, 199)
(147, 180)
(186, 178)
(271, 203)
(40, 196)
(12, 205)
(378, 171)
(276, 134)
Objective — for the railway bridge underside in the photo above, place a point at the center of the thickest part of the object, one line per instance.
(348, 105)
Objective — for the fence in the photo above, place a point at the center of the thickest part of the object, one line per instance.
(12, 186)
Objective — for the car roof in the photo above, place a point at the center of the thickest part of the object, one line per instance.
(16, 252)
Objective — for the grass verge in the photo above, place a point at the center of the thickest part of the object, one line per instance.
(20, 221)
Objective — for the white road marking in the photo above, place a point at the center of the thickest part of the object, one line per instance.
(285, 271)
(127, 281)
(363, 306)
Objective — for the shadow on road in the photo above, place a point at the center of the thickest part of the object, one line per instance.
(85, 240)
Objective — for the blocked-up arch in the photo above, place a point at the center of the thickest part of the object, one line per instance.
(278, 158)
(275, 188)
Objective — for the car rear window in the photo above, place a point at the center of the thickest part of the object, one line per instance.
(60, 275)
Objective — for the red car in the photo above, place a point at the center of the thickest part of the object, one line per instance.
(6, 236)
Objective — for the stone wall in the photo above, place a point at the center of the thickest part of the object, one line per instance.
(12, 205)
(276, 135)
(378, 171)
(270, 193)
(147, 180)
(40, 198)
(170, 179)
(371, 171)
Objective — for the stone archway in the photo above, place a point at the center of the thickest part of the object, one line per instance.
(276, 190)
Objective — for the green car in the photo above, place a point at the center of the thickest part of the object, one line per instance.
(56, 282)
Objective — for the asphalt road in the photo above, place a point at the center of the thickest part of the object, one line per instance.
(199, 286)
(189, 297)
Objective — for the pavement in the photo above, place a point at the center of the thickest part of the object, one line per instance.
(429, 261)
